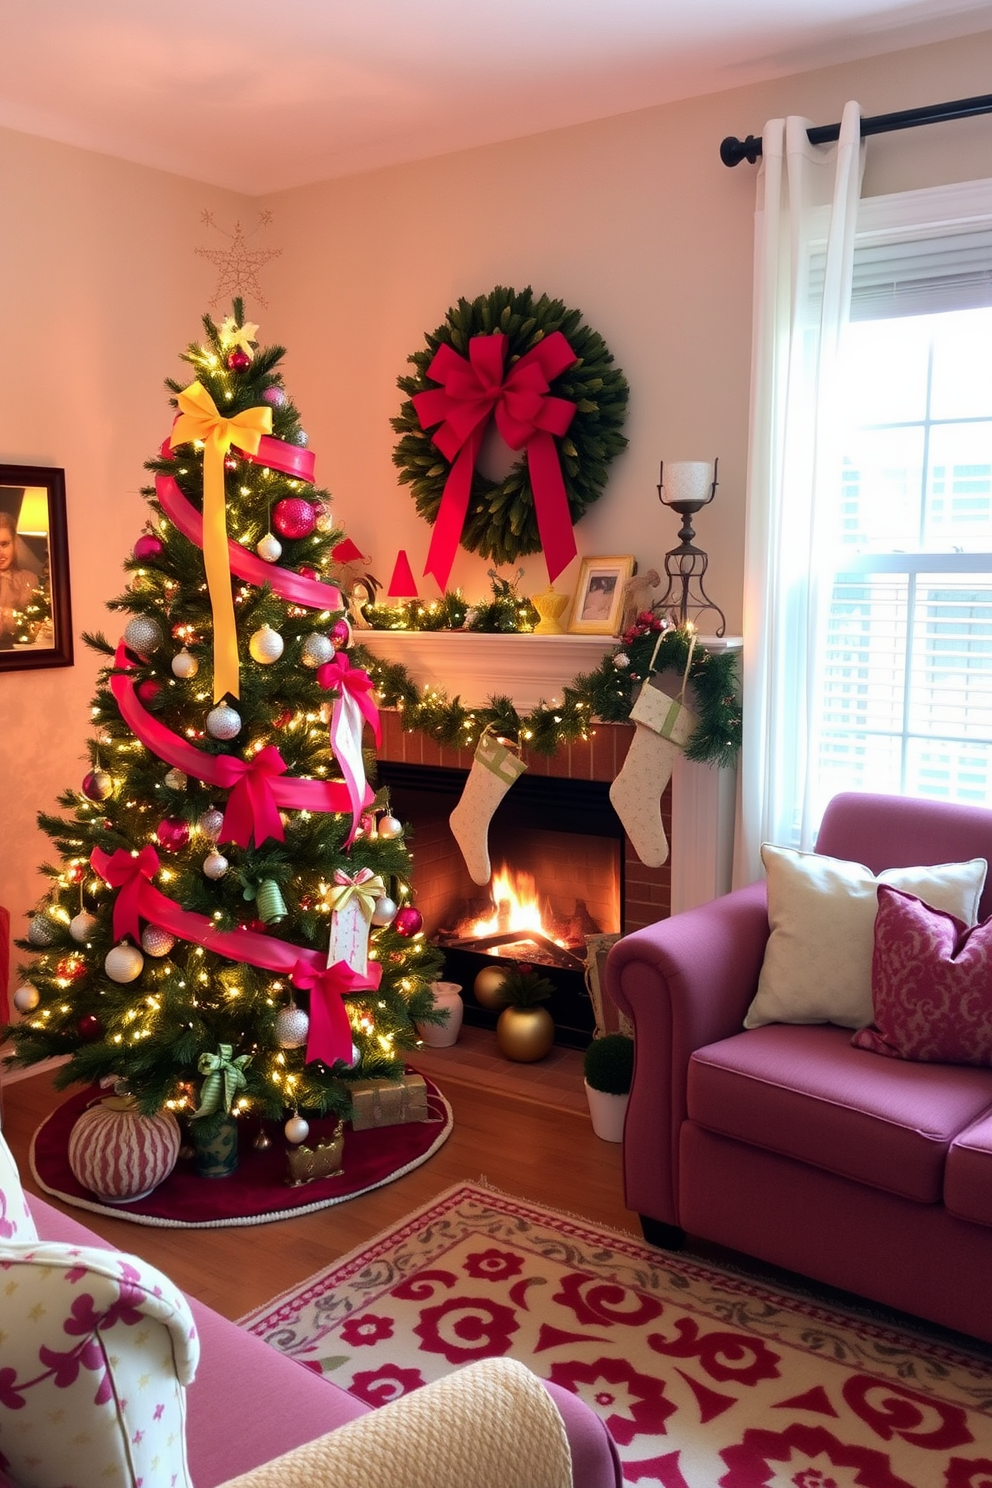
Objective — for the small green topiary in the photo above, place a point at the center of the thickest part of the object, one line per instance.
(609, 1063)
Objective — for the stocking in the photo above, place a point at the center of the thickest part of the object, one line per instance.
(663, 726)
(494, 769)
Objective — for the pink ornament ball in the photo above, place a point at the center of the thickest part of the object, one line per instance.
(172, 833)
(97, 785)
(340, 635)
(408, 921)
(148, 690)
(275, 396)
(293, 517)
(238, 361)
(148, 547)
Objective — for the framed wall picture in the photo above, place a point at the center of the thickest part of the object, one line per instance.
(35, 607)
(598, 602)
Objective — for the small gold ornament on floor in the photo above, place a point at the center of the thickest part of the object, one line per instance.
(488, 987)
(323, 1160)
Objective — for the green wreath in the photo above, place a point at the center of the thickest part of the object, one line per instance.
(501, 523)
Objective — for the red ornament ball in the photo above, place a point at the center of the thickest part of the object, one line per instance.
(89, 1027)
(148, 547)
(293, 517)
(148, 690)
(230, 464)
(172, 833)
(238, 361)
(76, 872)
(408, 921)
(306, 572)
(97, 785)
(286, 716)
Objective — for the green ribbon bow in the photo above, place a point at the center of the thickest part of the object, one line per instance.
(223, 1078)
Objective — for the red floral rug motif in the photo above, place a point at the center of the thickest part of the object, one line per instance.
(704, 1378)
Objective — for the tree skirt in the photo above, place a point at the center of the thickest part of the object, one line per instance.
(257, 1191)
(702, 1376)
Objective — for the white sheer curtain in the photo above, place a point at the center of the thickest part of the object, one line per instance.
(807, 201)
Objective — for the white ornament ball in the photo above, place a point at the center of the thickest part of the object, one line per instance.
(156, 942)
(184, 665)
(296, 1129)
(389, 827)
(223, 722)
(216, 865)
(265, 646)
(385, 910)
(175, 780)
(268, 548)
(123, 963)
(40, 931)
(211, 823)
(81, 927)
(317, 649)
(26, 998)
(143, 635)
(292, 1027)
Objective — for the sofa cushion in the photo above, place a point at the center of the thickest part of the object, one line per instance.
(931, 984)
(804, 1093)
(821, 910)
(968, 1175)
(15, 1216)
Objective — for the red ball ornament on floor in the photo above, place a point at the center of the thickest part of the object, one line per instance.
(172, 833)
(89, 1027)
(409, 921)
(148, 547)
(238, 361)
(293, 517)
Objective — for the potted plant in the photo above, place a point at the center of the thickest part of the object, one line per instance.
(608, 1067)
(525, 1030)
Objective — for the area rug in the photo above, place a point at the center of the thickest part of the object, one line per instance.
(703, 1376)
(257, 1191)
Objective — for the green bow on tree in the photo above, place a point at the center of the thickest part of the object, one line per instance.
(223, 1078)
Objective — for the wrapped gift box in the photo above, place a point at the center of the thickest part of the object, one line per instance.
(388, 1102)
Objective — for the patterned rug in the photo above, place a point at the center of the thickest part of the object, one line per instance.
(703, 1377)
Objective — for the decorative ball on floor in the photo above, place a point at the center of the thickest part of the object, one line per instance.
(120, 1155)
(488, 987)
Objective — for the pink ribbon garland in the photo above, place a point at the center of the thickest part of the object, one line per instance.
(527, 416)
(256, 782)
(137, 896)
(353, 706)
(294, 588)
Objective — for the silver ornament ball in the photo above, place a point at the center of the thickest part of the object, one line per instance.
(215, 865)
(269, 548)
(292, 1027)
(317, 649)
(143, 635)
(296, 1129)
(266, 646)
(184, 665)
(211, 823)
(41, 932)
(156, 942)
(389, 827)
(385, 910)
(223, 722)
(82, 925)
(123, 963)
(26, 998)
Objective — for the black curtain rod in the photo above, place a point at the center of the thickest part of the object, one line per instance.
(733, 150)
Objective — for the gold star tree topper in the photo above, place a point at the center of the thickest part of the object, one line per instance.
(238, 264)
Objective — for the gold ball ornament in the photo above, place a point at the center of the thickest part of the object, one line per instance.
(525, 1034)
(123, 963)
(389, 827)
(176, 780)
(488, 987)
(26, 998)
(184, 665)
(265, 646)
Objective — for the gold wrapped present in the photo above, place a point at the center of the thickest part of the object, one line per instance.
(388, 1102)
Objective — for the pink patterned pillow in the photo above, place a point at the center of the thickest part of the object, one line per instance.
(931, 984)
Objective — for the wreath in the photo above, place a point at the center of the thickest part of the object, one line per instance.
(544, 348)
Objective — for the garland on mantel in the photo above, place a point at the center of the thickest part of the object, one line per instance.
(606, 694)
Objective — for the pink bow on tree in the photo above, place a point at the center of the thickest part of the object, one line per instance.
(329, 1034)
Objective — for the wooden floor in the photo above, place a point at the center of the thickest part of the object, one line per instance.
(534, 1151)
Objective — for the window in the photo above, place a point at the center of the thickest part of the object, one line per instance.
(905, 696)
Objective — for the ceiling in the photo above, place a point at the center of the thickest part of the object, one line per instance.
(261, 95)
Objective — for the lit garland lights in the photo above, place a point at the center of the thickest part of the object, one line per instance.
(606, 695)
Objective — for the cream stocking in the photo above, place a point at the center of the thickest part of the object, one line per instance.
(663, 726)
(494, 769)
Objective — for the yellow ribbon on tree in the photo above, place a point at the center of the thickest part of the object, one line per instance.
(199, 418)
(364, 886)
(224, 1077)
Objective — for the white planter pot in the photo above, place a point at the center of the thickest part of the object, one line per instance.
(607, 1112)
(442, 1035)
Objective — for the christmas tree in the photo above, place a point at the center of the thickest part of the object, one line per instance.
(229, 928)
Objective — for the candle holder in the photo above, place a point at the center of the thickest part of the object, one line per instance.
(689, 486)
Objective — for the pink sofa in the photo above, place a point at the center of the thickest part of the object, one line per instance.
(871, 1174)
(249, 1404)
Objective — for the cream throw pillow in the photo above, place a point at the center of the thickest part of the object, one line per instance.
(817, 966)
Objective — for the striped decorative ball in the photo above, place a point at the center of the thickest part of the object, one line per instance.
(120, 1155)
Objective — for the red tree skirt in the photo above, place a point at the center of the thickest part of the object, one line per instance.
(257, 1191)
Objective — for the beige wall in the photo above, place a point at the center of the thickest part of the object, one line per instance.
(633, 220)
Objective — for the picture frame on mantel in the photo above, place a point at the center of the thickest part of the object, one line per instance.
(598, 602)
(35, 601)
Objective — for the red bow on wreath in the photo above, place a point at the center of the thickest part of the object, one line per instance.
(526, 415)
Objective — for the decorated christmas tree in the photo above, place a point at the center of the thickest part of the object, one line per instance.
(229, 928)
